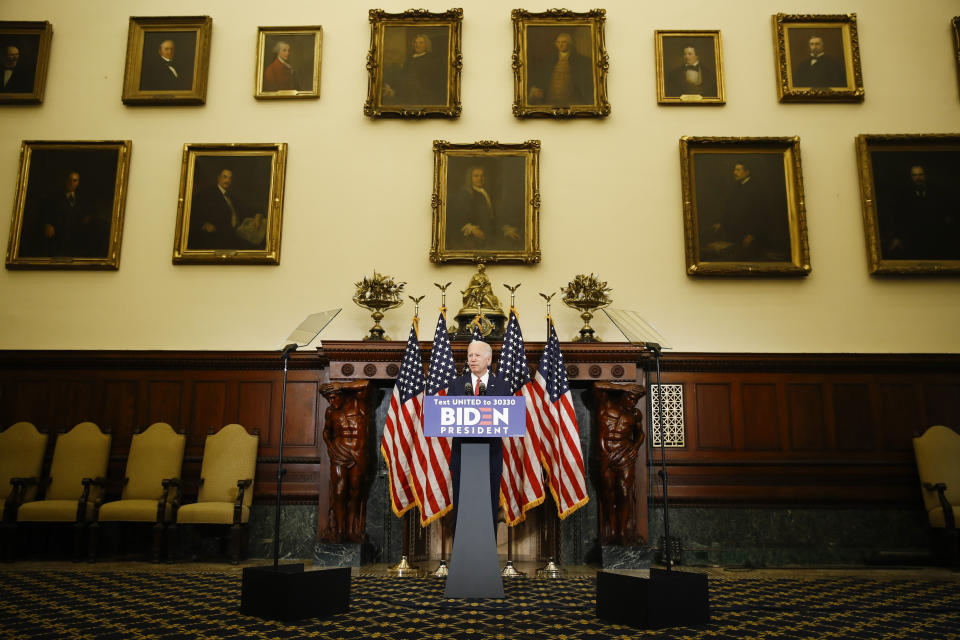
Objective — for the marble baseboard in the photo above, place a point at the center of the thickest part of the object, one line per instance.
(622, 557)
(347, 554)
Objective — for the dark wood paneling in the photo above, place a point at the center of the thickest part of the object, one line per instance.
(808, 431)
(120, 412)
(79, 405)
(761, 428)
(30, 402)
(899, 416)
(165, 402)
(853, 417)
(254, 406)
(209, 410)
(301, 425)
(942, 404)
(714, 427)
(761, 417)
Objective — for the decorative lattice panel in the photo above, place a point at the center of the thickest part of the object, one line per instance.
(673, 425)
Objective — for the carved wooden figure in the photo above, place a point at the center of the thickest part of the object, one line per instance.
(346, 432)
(619, 438)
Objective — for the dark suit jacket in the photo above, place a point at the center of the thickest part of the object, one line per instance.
(210, 206)
(676, 85)
(827, 72)
(21, 81)
(496, 387)
(156, 75)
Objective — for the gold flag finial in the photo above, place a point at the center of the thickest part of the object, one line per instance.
(513, 294)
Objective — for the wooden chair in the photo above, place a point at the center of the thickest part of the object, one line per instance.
(938, 463)
(21, 459)
(75, 484)
(226, 487)
(150, 486)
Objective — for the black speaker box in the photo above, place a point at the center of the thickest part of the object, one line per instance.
(287, 592)
(665, 599)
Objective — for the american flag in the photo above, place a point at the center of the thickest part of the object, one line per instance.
(437, 499)
(521, 485)
(402, 428)
(560, 441)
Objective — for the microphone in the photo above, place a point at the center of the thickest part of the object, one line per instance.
(467, 389)
(482, 389)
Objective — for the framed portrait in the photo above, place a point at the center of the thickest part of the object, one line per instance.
(231, 204)
(817, 58)
(414, 64)
(68, 212)
(486, 202)
(167, 60)
(689, 67)
(956, 45)
(743, 211)
(25, 47)
(288, 62)
(911, 204)
(560, 64)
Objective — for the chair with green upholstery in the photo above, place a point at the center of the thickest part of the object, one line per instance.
(226, 486)
(21, 460)
(75, 484)
(938, 464)
(150, 486)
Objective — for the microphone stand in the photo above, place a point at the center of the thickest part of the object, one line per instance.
(655, 348)
(285, 355)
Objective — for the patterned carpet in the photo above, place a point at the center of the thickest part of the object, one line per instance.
(76, 604)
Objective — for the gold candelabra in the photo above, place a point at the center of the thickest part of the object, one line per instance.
(378, 294)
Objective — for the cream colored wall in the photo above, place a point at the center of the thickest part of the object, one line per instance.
(358, 190)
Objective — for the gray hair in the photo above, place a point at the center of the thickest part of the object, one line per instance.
(280, 45)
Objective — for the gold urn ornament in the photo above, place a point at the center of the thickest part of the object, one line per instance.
(586, 294)
(378, 294)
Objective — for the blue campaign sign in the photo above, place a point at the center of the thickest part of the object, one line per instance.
(475, 416)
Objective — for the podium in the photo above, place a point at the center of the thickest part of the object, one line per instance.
(474, 568)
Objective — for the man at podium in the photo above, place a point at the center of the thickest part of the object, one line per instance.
(478, 382)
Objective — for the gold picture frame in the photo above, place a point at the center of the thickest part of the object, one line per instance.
(540, 41)
(817, 58)
(222, 220)
(168, 60)
(689, 67)
(414, 64)
(911, 218)
(68, 212)
(955, 23)
(730, 187)
(25, 51)
(486, 202)
(288, 62)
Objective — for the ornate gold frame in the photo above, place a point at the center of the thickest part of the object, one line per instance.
(595, 20)
(44, 33)
(380, 20)
(139, 27)
(695, 100)
(955, 23)
(786, 148)
(867, 145)
(262, 34)
(270, 254)
(27, 150)
(787, 90)
(484, 150)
